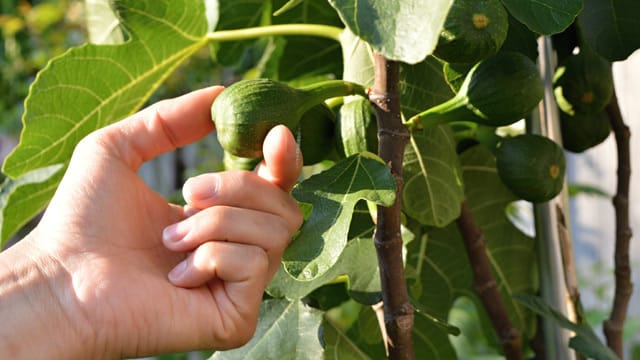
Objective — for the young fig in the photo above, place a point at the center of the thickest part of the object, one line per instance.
(244, 112)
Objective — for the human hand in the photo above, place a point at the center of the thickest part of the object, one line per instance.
(101, 250)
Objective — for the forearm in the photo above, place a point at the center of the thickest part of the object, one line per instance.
(35, 311)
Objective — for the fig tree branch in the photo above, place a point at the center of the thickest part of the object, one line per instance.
(485, 284)
(614, 326)
(393, 136)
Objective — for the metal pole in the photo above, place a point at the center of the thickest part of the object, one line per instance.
(551, 223)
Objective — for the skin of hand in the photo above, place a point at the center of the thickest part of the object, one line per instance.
(113, 270)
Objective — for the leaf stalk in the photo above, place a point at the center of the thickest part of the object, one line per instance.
(325, 31)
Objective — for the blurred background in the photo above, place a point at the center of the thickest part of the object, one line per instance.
(33, 32)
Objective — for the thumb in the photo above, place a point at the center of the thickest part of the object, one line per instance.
(282, 158)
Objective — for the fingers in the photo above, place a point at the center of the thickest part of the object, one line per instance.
(223, 223)
(241, 189)
(160, 128)
(229, 262)
(282, 158)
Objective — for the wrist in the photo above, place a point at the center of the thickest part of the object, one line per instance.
(40, 316)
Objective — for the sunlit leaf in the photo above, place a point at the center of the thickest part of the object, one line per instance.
(286, 330)
(102, 24)
(403, 30)
(25, 196)
(92, 86)
(333, 195)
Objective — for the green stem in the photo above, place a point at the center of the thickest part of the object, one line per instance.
(452, 110)
(326, 31)
(333, 88)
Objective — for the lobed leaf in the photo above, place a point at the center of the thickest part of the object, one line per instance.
(333, 195)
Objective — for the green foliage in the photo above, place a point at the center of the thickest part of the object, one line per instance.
(585, 341)
(333, 195)
(318, 304)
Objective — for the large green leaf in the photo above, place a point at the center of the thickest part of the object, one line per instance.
(433, 191)
(437, 265)
(585, 341)
(25, 196)
(306, 56)
(333, 195)
(91, 86)
(239, 15)
(403, 30)
(286, 330)
(358, 262)
(545, 17)
(611, 27)
(422, 86)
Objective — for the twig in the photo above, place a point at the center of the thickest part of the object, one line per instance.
(398, 311)
(614, 326)
(485, 284)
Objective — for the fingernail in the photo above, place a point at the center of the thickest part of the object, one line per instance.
(201, 188)
(176, 273)
(175, 232)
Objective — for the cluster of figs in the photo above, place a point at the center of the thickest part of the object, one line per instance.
(493, 87)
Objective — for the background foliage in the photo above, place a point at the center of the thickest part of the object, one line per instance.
(333, 297)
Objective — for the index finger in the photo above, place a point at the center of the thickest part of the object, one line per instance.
(162, 127)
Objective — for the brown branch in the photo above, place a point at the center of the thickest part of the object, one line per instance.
(614, 326)
(393, 136)
(485, 284)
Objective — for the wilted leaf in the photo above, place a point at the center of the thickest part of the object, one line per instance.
(333, 195)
